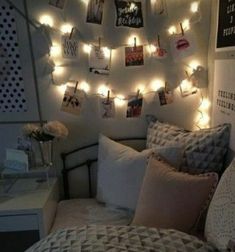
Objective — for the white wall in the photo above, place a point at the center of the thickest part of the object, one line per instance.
(86, 127)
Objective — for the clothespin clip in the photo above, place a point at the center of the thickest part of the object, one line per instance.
(134, 42)
(158, 41)
(187, 75)
(137, 94)
(182, 29)
(76, 87)
(166, 87)
(72, 32)
(99, 42)
(108, 97)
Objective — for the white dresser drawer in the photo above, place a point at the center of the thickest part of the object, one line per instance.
(10, 223)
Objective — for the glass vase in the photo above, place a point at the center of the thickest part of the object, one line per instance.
(46, 152)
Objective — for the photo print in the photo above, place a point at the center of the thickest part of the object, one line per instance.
(134, 106)
(107, 108)
(73, 100)
(129, 13)
(69, 47)
(134, 56)
(58, 3)
(95, 11)
(159, 53)
(165, 97)
(99, 62)
(182, 46)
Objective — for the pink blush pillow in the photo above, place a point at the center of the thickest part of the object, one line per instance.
(172, 199)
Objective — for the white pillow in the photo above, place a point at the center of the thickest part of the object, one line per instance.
(120, 173)
(220, 221)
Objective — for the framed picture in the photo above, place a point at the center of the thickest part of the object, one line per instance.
(95, 11)
(58, 3)
(226, 25)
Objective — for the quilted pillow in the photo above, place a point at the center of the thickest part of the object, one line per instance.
(203, 150)
(172, 199)
(121, 170)
(220, 221)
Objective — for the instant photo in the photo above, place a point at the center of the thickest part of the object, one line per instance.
(134, 56)
(95, 11)
(134, 106)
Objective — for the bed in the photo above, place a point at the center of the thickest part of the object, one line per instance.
(87, 225)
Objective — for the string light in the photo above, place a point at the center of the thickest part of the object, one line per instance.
(194, 7)
(103, 90)
(132, 39)
(205, 104)
(194, 64)
(186, 24)
(66, 28)
(157, 84)
(172, 30)
(107, 52)
(119, 100)
(55, 50)
(84, 86)
(152, 49)
(87, 48)
(58, 70)
(46, 20)
(61, 88)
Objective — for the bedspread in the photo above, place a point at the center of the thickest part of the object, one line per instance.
(100, 238)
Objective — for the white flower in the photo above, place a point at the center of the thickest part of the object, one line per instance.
(56, 129)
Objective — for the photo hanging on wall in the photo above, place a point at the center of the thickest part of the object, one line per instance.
(182, 46)
(95, 11)
(69, 47)
(129, 13)
(134, 106)
(107, 107)
(134, 56)
(58, 3)
(73, 100)
(99, 61)
(159, 53)
(226, 26)
(165, 97)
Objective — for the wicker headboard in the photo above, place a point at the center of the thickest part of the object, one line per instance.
(88, 163)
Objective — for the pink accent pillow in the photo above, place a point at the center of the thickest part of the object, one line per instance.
(172, 199)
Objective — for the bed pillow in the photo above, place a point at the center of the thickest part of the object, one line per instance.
(172, 199)
(220, 221)
(121, 170)
(203, 150)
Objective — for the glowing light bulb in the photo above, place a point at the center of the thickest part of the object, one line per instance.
(152, 48)
(186, 84)
(205, 105)
(194, 64)
(87, 48)
(140, 87)
(103, 90)
(61, 89)
(46, 20)
(107, 52)
(131, 40)
(66, 28)
(157, 84)
(58, 70)
(186, 24)
(119, 100)
(194, 7)
(84, 86)
(204, 120)
(85, 1)
(172, 30)
(55, 50)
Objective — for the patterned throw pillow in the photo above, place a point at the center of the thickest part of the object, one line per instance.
(203, 150)
(220, 221)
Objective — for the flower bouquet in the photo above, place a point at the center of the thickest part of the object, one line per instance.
(45, 135)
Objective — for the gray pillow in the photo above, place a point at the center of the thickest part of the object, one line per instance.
(203, 150)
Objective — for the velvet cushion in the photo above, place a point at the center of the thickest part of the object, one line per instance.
(220, 221)
(203, 150)
(171, 199)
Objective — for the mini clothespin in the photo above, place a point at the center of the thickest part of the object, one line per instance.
(76, 87)
(158, 41)
(99, 42)
(137, 94)
(182, 29)
(72, 32)
(135, 42)
(187, 75)
(166, 87)
(108, 96)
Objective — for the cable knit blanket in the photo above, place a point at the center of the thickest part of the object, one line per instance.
(98, 238)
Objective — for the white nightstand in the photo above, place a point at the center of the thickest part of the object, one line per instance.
(29, 206)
